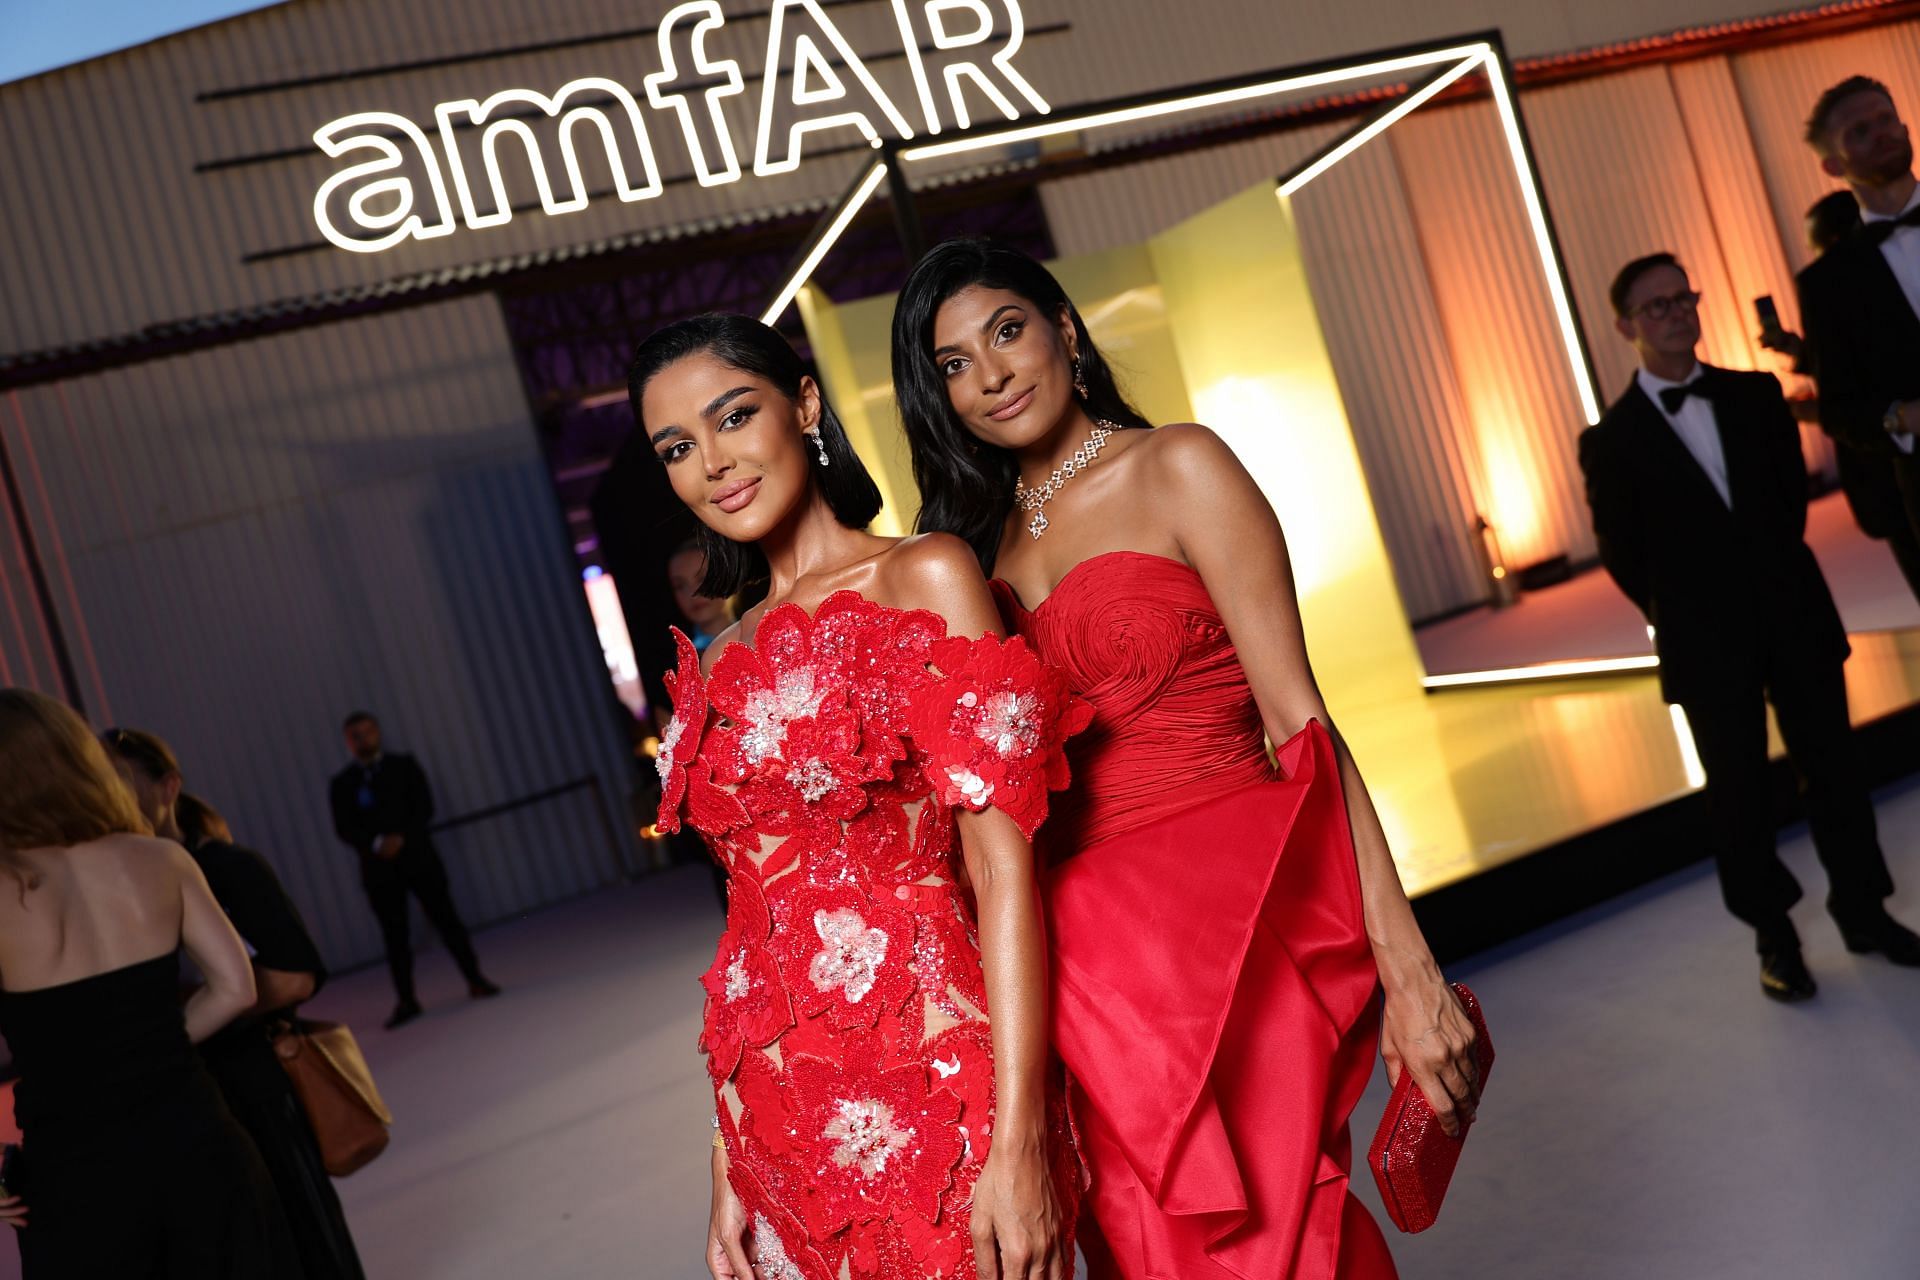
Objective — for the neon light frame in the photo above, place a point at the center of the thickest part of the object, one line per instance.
(1450, 61)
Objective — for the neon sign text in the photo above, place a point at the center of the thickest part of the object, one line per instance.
(405, 184)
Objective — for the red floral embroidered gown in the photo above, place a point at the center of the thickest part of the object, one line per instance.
(846, 1029)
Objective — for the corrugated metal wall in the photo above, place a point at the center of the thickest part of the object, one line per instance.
(113, 222)
(262, 537)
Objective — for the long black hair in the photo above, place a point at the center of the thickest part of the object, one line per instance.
(743, 343)
(966, 484)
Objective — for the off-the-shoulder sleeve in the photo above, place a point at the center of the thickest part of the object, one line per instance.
(993, 725)
(680, 741)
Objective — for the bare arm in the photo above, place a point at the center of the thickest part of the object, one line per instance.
(1015, 1217)
(1230, 535)
(216, 949)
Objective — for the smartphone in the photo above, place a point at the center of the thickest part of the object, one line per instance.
(9, 1168)
(1769, 314)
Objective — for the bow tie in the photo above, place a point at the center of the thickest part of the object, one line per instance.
(1671, 398)
(1879, 232)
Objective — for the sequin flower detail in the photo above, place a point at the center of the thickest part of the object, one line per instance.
(879, 1140)
(845, 953)
(819, 777)
(763, 690)
(994, 727)
(747, 1004)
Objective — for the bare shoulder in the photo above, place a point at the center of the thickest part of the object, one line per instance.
(927, 566)
(939, 572)
(1189, 451)
(153, 864)
(147, 852)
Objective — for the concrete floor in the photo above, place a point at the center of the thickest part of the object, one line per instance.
(1650, 1114)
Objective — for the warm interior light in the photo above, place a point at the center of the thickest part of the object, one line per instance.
(1542, 671)
(1499, 572)
(1466, 57)
(1195, 102)
(1412, 102)
(1563, 309)
(650, 748)
(854, 203)
(1689, 754)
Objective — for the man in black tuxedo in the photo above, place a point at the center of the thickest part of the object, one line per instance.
(1860, 302)
(1699, 497)
(383, 808)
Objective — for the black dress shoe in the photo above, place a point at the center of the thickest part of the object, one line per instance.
(481, 989)
(1887, 936)
(1784, 976)
(403, 1013)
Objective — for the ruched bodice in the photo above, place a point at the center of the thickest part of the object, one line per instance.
(1175, 723)
(100, 1052)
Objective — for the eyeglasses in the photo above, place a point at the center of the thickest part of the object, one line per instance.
(1660, 308)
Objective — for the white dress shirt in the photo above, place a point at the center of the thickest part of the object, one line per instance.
(1696, 426)
(1902, 251)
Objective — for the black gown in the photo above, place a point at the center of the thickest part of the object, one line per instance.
(256, 1087)
(132, 1165)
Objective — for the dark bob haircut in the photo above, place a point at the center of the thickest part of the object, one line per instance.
(743, 343)
(966, 485)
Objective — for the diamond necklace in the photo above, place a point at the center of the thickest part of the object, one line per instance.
(1034, 499)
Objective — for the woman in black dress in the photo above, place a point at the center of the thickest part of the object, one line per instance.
(132, 1165)
(287, 971)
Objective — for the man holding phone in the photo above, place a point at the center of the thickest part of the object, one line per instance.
(1860, 301)
(1866, 476)
(1699, 497)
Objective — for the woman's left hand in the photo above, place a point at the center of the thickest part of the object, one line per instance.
(1018, 1229)
(1425, 1031)
(13, 1212)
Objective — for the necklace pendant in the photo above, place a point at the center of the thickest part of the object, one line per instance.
(1037, 525)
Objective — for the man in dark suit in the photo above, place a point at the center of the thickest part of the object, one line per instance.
(383, 808)
(1699, 497)
(1860, 302)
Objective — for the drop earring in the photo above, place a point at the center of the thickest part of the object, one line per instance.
(1079, 380)
(821, 445)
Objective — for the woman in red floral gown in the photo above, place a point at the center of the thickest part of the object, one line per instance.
(870, 762)
(1219, 927)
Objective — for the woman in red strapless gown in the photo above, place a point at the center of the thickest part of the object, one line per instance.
(869, 761)
(1218, 925)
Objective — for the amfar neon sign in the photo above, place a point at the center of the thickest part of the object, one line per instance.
(811, 95)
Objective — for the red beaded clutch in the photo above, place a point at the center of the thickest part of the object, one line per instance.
(1412, 1156)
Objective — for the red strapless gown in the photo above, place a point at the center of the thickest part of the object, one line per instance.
(1213, 988)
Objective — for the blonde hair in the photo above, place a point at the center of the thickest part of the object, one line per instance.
(57, 787)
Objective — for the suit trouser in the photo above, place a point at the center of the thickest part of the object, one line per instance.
(1880, 493)
(1730, 732)
(1905, 545)
(421, 873)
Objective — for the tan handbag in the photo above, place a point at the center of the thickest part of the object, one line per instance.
(349, 1120)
